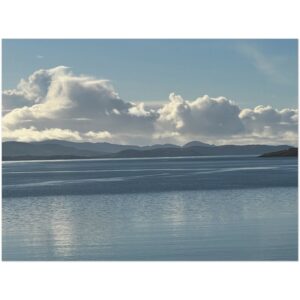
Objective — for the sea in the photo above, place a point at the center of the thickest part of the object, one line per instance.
(220, 208)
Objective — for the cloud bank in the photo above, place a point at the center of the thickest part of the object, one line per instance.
(57, 104)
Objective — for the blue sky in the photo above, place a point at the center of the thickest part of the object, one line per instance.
(250, 72)
(151, 91)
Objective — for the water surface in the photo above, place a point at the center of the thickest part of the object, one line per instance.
(208, 208)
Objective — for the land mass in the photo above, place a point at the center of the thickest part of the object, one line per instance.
(291, 152)
(57, 149)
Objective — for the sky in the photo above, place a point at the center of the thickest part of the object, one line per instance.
(151, 91)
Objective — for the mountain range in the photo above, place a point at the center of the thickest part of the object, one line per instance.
(58, 149)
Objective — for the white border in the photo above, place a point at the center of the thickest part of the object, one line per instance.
(149, 19)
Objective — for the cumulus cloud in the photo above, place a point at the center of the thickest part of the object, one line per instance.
(57, 104)
(56, 98)
(98, 136)
(32, 134)
(270, 125)
(32, 90)
(139, 110)
(262, 117)
(203, 116)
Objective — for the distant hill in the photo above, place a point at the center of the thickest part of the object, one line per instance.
(196, 143)
(95, 147)
(158, 146)
(56, 149)
(291, 152)
(14, 149)
(202, 151)
(105, 147)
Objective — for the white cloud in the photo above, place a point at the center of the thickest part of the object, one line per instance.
(98, 136)
(56, 104)
(34, 89)
(139, 110)
(58, 98)
(32, 134)
(203, 116)
(265, 120)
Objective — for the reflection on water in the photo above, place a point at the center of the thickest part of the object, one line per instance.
(241, 224)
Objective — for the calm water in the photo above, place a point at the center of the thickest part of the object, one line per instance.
(209, 208)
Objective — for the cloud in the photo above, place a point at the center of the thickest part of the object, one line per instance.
(57, 104)
(32, 134)
(98, 136)
(221, 121)
(265, 117)
(204, 116)
(269, 65)
(139, 110)
(56, 98)
(271, 125)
